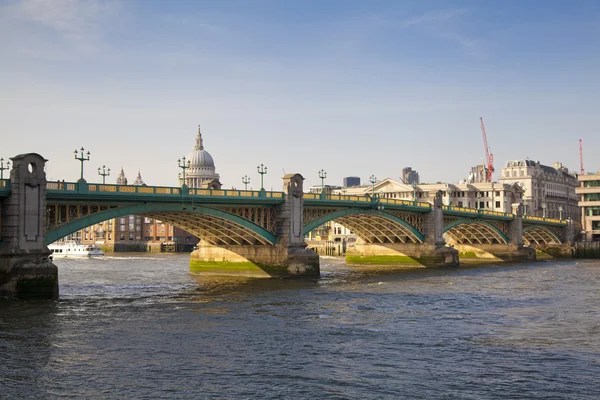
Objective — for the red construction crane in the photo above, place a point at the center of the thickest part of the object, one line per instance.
(489, 157)
(581, 157)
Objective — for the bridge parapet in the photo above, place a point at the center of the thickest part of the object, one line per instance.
(162, 191)
(545, 221)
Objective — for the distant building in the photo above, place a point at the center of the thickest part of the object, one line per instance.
(201, 168)
(547, 190)
(589, 201)
(410, 176)
(325, 188)
(489, 195)
(350, 181)
(478, 174)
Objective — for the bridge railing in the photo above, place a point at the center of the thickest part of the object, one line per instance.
(339, 197)
(363, 199)
(93, 188)
(477, 211)
(543, 219)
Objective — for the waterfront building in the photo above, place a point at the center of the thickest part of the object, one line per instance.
(410, 176)
(351, 181)
(549, 191)
(589, 201)
(486, 195)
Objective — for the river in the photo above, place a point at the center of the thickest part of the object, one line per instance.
(141, 327)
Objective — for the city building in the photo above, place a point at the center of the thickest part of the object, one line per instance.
(410, 176)
(351, 181)
(478, 174)
(549, 191)
(200, 169)
(325, 188)
(589, 201)
(487, 195)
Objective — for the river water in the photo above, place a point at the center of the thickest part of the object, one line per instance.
(141, 327)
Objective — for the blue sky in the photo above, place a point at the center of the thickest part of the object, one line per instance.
(357, 88)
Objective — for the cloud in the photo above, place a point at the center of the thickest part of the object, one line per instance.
(76, 20)
(432, 17)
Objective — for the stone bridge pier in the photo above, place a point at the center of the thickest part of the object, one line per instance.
(433, 252)
(287, 258)
(25, 270)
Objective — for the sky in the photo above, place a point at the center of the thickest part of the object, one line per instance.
(356, 88)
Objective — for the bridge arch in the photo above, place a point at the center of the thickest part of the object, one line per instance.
(372, 226)
(215, 226)
(469, 231)
(535, 234)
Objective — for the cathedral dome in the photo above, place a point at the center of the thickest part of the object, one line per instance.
(200, 158)
(201, 166)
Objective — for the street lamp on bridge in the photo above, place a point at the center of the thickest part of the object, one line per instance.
(181, 163)
(544, 209)
(322, 175)
(82, 158)
(3, 168)
(262, 170)
(560, 210)
(372, 179)
(245, 181)
(104, 172)
(414, 185)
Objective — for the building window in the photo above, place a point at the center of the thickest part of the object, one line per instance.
(497, 204)
(130, 235)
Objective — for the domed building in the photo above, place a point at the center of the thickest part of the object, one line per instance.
(201, 168)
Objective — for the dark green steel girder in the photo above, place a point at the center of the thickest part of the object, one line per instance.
(542, 228)
(81, 223)
(353, 211)
(479, 222)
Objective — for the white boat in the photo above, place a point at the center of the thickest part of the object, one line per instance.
(71, 248)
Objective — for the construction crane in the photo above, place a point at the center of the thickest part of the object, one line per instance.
(581, 156)
(489, 157)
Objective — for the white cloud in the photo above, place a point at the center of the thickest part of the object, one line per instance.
(432, 17)
(79, 21)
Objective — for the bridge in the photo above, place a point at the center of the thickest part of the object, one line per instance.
(254, 233)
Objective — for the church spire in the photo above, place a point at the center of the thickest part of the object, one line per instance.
(199, 145)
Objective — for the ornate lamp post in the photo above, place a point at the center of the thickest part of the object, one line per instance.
(181, 163)
(322, 175)
(544, 209)
(262, 170)
(3, 168)
(560, 210)
(245, 181)
(82, 158)
(104, 173)
(372, 179)
(414, 185)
